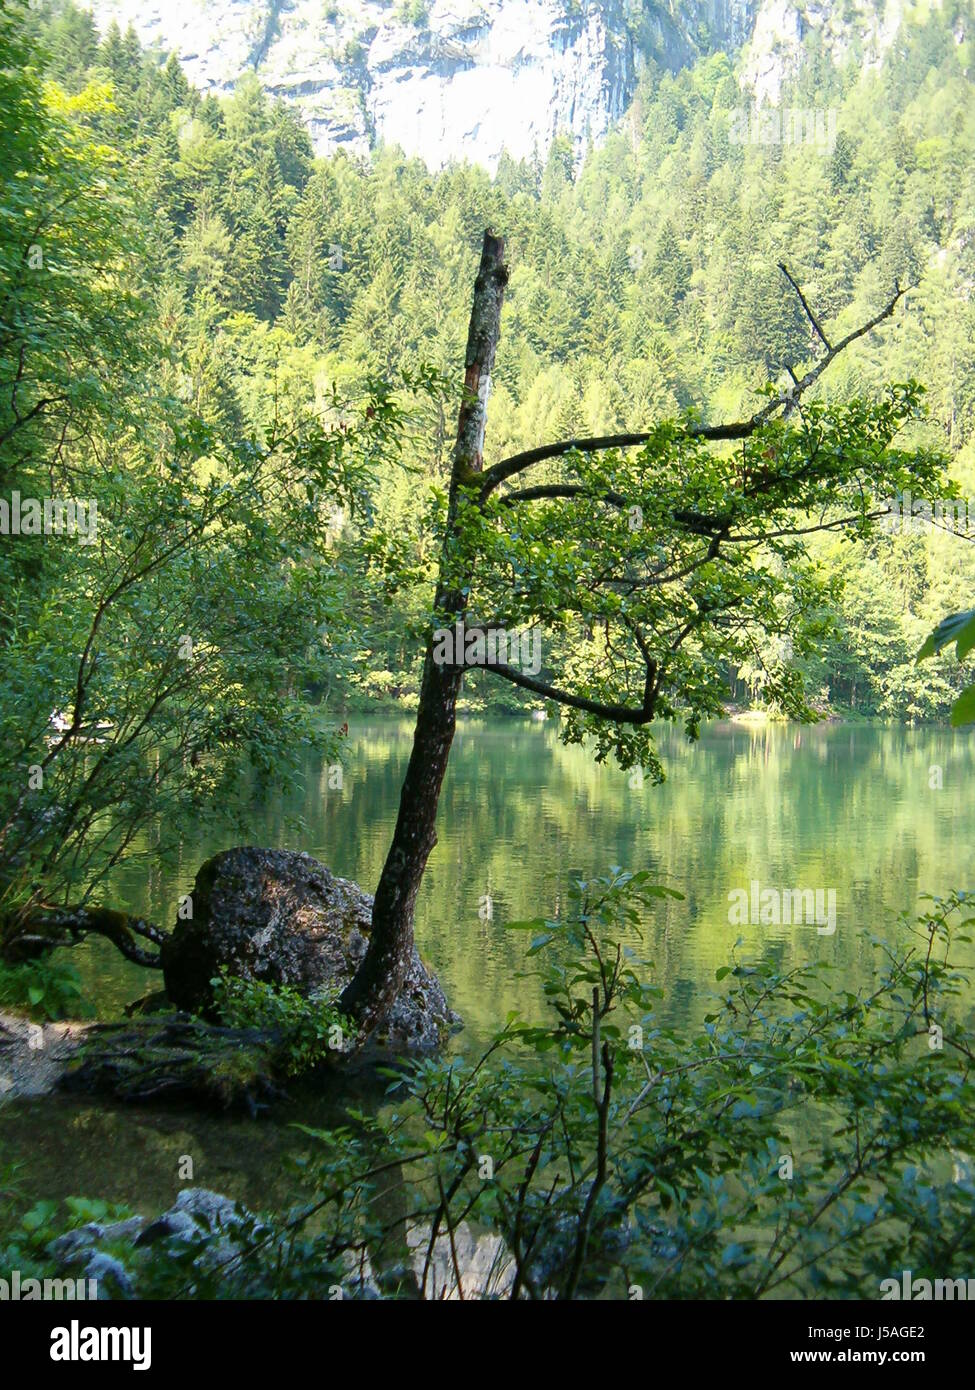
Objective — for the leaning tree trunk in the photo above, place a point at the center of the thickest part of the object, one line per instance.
(377, 982)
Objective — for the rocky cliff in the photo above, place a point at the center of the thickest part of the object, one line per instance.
(456, 79)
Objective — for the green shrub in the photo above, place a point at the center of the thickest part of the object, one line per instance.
(43, 989)
(303, 1030)
(799, 1143)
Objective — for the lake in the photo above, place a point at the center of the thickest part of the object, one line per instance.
(873, 816)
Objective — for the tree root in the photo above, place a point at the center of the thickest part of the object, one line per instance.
(178, 1057)
(42, 928)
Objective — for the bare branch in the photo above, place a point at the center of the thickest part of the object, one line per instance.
(47, 927)
(739, 429)
(618, 714)
(552, 491)
(809, 313)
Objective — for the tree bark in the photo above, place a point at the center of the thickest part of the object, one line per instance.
(378, 981)
(40, 929)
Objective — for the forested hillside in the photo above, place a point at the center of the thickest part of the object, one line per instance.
(644, 282)
(289, 443)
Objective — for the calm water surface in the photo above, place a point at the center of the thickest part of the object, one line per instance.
(878, 815)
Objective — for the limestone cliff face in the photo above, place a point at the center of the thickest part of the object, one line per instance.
(445, 79)
(774, 52)
(468, 79)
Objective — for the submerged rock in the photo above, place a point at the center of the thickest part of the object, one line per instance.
(283, 918)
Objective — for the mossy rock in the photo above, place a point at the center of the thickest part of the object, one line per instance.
(283, 918)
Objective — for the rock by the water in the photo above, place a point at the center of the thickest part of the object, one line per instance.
(284, 918)
(214, 1228)
(33, 1056)
(196, 1216)
(82, 1249)
(196, 1210)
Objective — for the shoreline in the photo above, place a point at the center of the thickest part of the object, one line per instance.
(33, 1056)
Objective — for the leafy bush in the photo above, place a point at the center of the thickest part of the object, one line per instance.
(44, 989)
(303, 1029)
(25, 1242)
(801, 1143)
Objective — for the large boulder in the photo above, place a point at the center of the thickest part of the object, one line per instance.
(284, 918)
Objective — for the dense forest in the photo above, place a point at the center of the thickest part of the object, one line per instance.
(642, 283)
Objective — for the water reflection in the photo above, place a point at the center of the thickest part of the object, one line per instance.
(852, 809)
(832, 807)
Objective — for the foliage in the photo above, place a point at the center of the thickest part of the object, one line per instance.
(303, 1029)
(960, 629)
(157, 667)
(642, 283)
(239, 353)
(46, 989)
(26, 1240)
(657, 567)
(800, 1144)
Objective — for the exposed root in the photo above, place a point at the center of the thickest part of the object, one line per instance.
(42, 928)
(178, 1057)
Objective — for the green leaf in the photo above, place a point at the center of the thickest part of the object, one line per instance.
(540, 941)
(959, 627)
(963, 710)
(531, 924)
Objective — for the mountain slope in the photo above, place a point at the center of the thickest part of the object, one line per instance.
(456, 79)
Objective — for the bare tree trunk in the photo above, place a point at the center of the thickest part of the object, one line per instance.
(377, 982)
